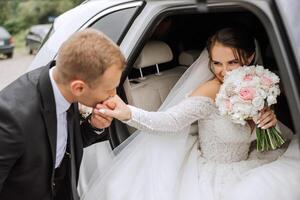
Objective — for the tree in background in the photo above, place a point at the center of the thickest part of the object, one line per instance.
(18, 15)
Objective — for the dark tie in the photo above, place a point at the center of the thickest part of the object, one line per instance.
(70, 148)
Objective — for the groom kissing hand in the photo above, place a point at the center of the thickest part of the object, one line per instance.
(114, 107)
(41, 137)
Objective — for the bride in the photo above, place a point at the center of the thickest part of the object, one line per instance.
(164, 161)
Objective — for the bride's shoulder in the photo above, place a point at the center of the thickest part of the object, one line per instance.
(207, 89)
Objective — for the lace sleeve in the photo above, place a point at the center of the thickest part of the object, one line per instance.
(173, 119)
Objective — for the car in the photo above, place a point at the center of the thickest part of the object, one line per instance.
(181, 28)
(6, 43)
(35, 37)
(184, 27)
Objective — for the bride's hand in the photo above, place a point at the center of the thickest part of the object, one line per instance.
(267, 118)
(121, 111)
(99, 121)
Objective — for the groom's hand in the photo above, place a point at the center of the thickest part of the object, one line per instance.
(98, 120)
(120, 111)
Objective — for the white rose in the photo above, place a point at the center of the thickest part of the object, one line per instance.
(271, 100)
(274, 77)
(248, 70)
(259, 70)
(238, 119)
(235, 99)
(242, 108)
(258, 102)
(256, 80)
(254, 112)
(261, 93)
(274, 91)
(220, 98)
(229, 89)
(247, 111)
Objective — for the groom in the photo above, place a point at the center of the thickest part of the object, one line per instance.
(41, 138)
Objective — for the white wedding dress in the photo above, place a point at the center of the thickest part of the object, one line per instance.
(165, 162)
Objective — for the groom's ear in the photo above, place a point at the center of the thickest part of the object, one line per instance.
(78, 87)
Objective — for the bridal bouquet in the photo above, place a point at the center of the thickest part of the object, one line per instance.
(244, 93)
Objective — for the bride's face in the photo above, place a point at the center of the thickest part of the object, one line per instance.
(223, 60)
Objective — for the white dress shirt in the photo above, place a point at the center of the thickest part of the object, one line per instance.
(62, 105)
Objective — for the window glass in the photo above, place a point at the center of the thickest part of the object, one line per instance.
(114, 24)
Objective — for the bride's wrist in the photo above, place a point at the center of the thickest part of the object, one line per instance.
(127, 114)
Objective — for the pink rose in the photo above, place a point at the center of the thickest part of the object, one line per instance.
(247, 93)
(266, 81)
(248, 77)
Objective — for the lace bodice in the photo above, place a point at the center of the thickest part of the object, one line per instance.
(220, 140)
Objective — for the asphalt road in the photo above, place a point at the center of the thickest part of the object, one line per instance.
(11, 69)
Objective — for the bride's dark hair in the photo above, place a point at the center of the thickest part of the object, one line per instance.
(239, 39)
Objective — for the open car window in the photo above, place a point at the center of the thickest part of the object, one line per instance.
(148, 89)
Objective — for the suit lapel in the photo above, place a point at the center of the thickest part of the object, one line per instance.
(48, 108)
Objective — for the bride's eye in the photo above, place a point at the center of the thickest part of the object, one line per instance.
(234, 62)
(217, 63)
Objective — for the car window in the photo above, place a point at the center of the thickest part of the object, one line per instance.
(114, 24)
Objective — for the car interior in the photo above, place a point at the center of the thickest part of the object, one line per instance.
(174, 45)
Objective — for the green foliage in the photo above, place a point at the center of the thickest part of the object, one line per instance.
(19, 15)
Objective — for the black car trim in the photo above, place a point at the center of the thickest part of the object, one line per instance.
(137, 12)
(50, 32)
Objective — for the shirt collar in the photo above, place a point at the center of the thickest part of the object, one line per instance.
(62, 105)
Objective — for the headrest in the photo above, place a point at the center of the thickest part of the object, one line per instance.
(187, 58)
(154, 52)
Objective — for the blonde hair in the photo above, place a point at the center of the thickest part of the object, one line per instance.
(86, 55)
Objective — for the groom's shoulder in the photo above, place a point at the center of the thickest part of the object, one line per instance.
(26, 80)
(25, 87)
